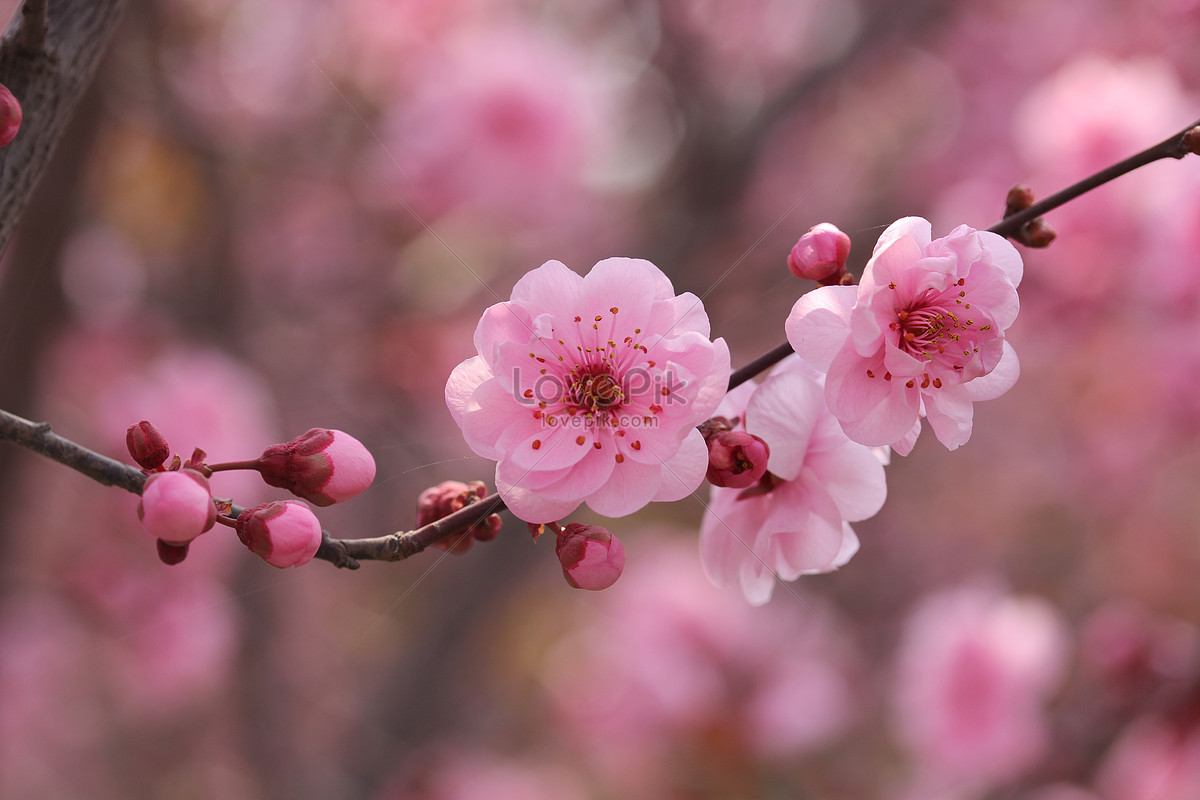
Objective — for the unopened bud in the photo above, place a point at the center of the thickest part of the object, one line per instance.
(820, 254)
(147, 445)
(10, 116)
(171, 554)
(1019, 198)
(1191, 140)
(176, 507)
(450, 496)
(736, 459)
(284, 533)
(323, 466)
(591, 557)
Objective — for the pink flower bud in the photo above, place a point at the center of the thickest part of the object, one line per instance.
(591, 557)
(736, 459)
(176, 506)
(446, 498)
(322, 466)
(147, 445)
(820, 254)
(10, 116)
(283, 533)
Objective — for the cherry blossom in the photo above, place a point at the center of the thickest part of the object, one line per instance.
(590, 389)
(922, 335)
(975, 667)
(795, 521)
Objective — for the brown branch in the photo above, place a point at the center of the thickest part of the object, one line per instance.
(38, 437)
(1174, 146)
(48, 56)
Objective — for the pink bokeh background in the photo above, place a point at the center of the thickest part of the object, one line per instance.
(271, 216)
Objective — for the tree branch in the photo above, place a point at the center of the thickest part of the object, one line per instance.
(48, 56)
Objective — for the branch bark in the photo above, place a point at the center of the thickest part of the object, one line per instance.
(48, 56)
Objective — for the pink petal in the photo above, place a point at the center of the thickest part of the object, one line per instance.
(904, 445)
(783, 413)
(551, 447)
(582, 479)
(727, 532)
(1003, 254)
(552, 286)
(502, 322)
(1002, 377)
(683, 473)
(463, 381)
(529, 505)
(819, 323)
(488, 415)
(853, 477)
(630, 487)
(916, 227)
(950, 412)
(804, 530)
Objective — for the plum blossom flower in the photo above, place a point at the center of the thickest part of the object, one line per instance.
(975, 667)
(795, 522)
(589, 389)
(921, 335)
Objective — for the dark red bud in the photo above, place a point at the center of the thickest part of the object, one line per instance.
(147, 445)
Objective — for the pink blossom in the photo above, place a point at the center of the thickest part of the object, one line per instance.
(974, 669)
(1153, 760)
(668, 660)
(177, 506)
(736, 459)
(795, 522)
(820, 254)
(284, 534)
(323, 466)
(591, 557)
(921, 335)
(589, 389)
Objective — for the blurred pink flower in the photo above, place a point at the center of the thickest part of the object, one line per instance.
(590, 389)
(501, 122)
(1152, 760)
(921, 335)
(974, 669)
(669, 663)
(795, 522)
(471, 776)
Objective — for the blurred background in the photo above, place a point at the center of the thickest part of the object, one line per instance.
(269, 216)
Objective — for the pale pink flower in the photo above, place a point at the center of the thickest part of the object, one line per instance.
(177, 506)
(795, 522)
(921, 335)
(284, 534)
(589, 389)
(974, 669)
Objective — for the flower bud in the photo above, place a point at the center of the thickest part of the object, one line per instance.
(147, 445)
(820, 254)
(323, 466)
(10, 116)
(591, 557)
(283, 533)
(171, 554)
(736, 459)
(446, 498)
(177, 506)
